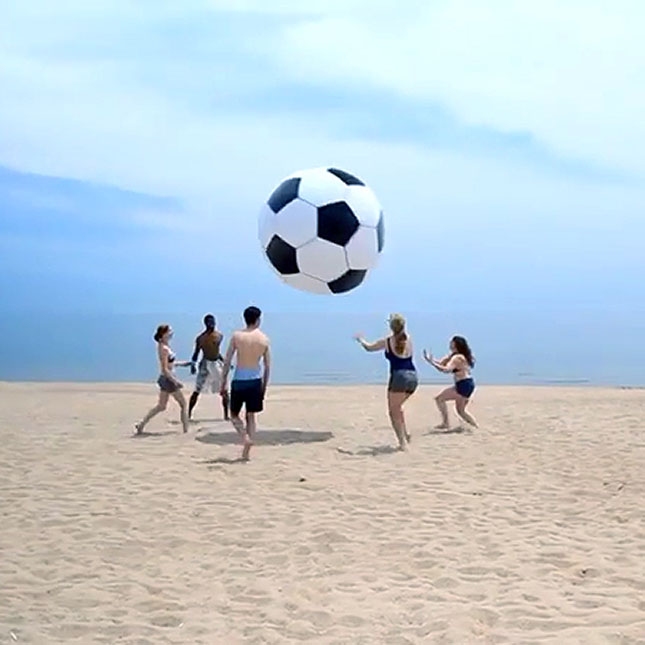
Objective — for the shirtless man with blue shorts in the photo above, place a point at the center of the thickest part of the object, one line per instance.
(250, 347)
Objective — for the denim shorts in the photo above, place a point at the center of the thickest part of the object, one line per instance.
(167, 385)
(405, 381)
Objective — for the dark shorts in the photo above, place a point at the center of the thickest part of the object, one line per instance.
(405, 381)
(167, 385)
(465, 387)
(247, 393)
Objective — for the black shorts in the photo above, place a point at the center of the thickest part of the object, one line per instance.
(247, 393)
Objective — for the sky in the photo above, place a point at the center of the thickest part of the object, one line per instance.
(139, 139)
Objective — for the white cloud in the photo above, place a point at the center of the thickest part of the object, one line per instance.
(566, 71)
(570, 72)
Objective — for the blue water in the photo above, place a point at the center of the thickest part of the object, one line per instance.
(512, 347)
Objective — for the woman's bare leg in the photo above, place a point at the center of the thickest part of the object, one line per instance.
(460, 404)
(395, 401)
(160, 407)
(178, 395)
(404, 426)
(449, 394)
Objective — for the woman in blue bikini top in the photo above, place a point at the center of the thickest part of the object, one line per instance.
(459, 362)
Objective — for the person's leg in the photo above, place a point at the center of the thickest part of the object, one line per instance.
(449, 394)
(254, 405)
(225, 405)
(237, 401)
(179, 397)
(216, 386)
(160, 407)
(408, 438)
(200, 381)
(249, 435)
(394, 402)
(238, 424)
(192, 403)
(460, 404)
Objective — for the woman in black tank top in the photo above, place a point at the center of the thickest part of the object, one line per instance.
(403, 375)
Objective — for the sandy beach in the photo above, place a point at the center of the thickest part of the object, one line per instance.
(529, 530)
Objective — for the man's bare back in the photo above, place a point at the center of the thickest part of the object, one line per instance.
(251, 346)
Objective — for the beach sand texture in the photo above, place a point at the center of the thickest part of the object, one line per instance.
(530, 530)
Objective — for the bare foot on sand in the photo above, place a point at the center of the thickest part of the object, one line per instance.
(246, 451)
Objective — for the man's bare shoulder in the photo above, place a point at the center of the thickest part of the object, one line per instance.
(262, 337)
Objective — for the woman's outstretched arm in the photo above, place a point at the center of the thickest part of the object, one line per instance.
(370, 347)
(446, 365)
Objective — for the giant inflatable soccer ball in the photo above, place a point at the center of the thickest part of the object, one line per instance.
(322, 230)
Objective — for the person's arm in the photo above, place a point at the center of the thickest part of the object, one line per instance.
(267, 368)
(230, 352)
(195, 356)
(370, 347)
(442, 365)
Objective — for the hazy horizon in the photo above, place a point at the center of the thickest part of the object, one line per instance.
(510, 347)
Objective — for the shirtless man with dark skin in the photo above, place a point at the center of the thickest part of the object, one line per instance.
(209, 371)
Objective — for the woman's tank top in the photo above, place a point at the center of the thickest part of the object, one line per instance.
(396, 362)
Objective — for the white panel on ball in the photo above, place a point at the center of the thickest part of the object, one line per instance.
(266, 225)
(362, 249)
(319, 187)
(296, 223)
(306, 283)
(323, 260)
(364, 204)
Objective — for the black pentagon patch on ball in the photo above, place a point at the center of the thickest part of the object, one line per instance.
(286, 192)
(347, 281)
(336, 223)
(380, 232)
(345, 177)
(282, 256)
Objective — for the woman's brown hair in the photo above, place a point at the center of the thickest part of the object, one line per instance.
(397, 325)
(463, 348)
(162, 330)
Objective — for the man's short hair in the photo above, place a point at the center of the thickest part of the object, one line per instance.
(209, 317)
(252, 315)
